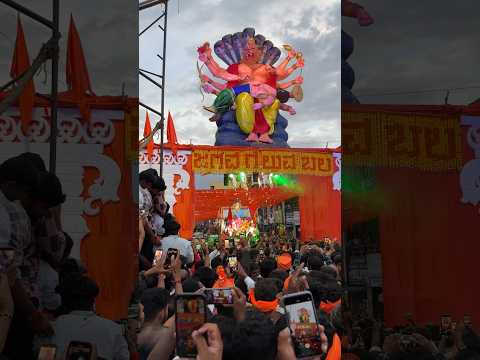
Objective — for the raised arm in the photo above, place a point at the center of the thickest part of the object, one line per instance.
(286, 73)
(353, 10)
(205, 56)
(297, 81)
(218, 72)
(283, 65)
(216, 85)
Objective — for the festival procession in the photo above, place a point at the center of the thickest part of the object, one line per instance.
(240, 239)
(202, 211)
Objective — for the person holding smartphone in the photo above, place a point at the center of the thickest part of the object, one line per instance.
(81, 324)
(171, 239)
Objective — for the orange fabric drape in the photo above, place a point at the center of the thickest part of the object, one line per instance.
(183, 209)
(320, 208)
(110, 250)
(20, 63)
(208, 202)
(425, 231)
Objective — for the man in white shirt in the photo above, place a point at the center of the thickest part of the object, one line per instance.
(82, 324)
(172, 240)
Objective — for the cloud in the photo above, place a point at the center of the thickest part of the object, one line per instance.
(415, 45)
(109, 37)
(313, 28)
(110, 41)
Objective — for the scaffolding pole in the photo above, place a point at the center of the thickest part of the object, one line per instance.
(142, 72)
(54, 26)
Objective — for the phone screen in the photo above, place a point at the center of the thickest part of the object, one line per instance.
(191, 314)
(79, 350)
(158, 256)
(47, 352)
(168, 261)
(446, 323)
(232, 263)
(303, 324)
(219, 296)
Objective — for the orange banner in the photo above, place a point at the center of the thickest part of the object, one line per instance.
(431, 143)
(269, 161)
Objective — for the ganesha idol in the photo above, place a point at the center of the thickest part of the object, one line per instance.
(251, 89)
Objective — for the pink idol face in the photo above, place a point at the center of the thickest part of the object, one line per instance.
(252, 53)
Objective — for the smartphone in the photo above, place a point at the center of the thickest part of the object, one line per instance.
(445, 323)
(454, 325)
(168, 261)
(190, 315)
(227, 244)
(158, 256)
(233, 263)
(47, 352)
(296, 258)
(79, 350)
(303, 324)
(219, 296)
(467, 320)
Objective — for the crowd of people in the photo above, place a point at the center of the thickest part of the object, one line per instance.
(369, 339)
(47, 301)
(250, 320)
(222, 300)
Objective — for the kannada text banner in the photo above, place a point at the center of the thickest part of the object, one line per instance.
(269, 161)
(431, 143)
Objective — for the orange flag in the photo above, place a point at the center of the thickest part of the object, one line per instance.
(20, 63)
(147, 131)
(171, 134)
(78, 80)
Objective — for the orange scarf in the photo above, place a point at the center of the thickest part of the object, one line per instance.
(335, 352)
(327, 307)
(223, 281)
(263, 306)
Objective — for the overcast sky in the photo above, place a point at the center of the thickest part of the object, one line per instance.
(312, 27)
(108, 30)
(417, 45)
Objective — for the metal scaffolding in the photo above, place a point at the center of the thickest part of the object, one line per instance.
(147, 74)
(48, 51)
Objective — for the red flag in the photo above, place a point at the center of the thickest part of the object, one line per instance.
(78, 80)
(20, 63)
(171, 134)
(229, 216)
(147, 130)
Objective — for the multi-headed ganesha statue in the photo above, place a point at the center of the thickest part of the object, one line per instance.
(247, 103)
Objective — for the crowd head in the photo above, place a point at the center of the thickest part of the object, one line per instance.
(241, 284)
